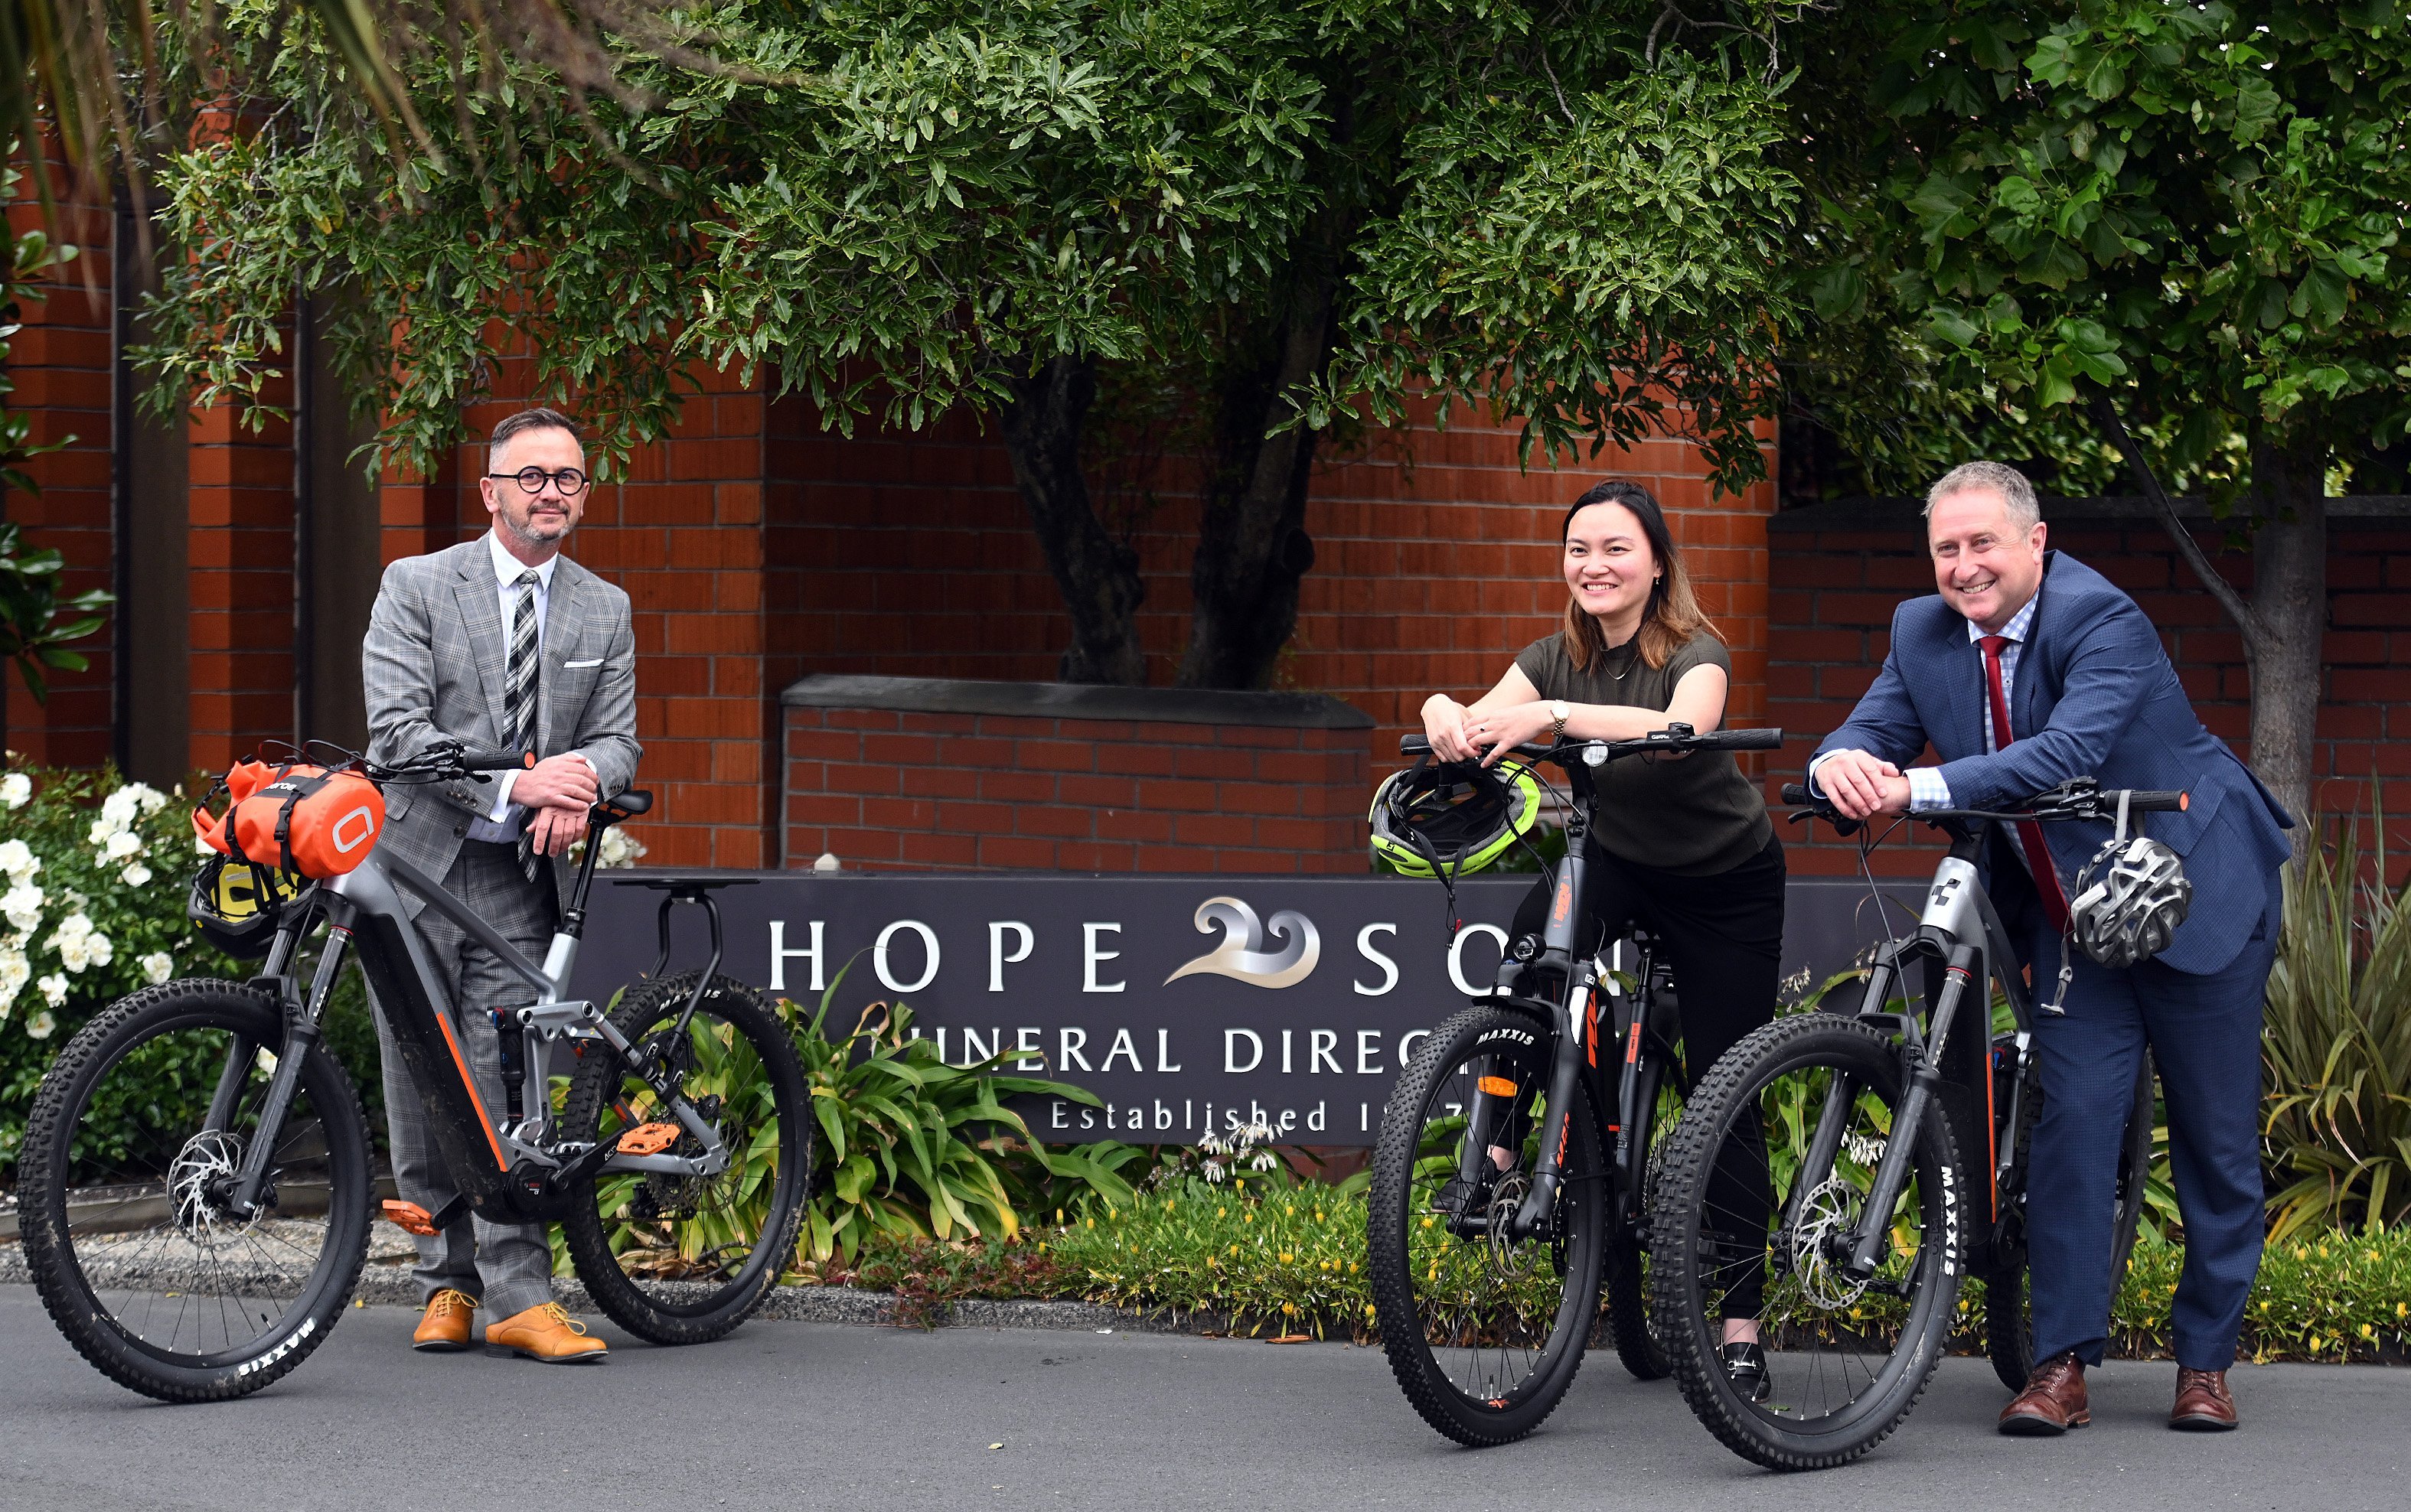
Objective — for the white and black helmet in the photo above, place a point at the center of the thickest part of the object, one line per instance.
(2129, 899)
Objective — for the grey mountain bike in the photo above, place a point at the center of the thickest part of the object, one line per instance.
(1895, 1142)
(196, 1180)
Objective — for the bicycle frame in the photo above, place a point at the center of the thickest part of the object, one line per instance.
(504, 1162)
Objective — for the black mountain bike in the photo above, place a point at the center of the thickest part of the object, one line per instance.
(196, 1180)
(1895, 1142)
(1515, 1152)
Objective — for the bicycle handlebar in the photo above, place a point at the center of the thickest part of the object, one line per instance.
(2079, 798)
(495, 761)
(1674, 737)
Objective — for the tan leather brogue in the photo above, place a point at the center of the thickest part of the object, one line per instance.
(2052, 1404)
(2204, 1406)
(547, 1334)
(444, 1328)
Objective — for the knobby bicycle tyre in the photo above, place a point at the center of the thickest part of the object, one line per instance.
(1628, 1283)
(2008, 1311)
(1486, 1351)
(159, 1287)
(678, 1259)
(1688, 1255)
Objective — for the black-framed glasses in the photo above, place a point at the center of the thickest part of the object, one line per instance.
(570, 481)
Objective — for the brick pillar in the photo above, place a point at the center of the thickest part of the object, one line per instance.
(241, 555)
(61, 364)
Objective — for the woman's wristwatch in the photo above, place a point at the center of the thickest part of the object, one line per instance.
(1560, 711)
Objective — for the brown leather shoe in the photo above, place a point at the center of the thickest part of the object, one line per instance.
(545, 1332)
(2204, 1406)
(445, 1329)
(2053, 1401)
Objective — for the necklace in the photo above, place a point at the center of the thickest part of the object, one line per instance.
(1631, 649)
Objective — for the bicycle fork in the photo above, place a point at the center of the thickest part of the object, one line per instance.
(1862, 1245)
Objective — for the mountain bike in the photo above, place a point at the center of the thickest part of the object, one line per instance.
(1516, 1151)
(1896, 1145)
(196, 1179)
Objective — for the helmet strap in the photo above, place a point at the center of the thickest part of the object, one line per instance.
(2125, 795)
(2057, 1007)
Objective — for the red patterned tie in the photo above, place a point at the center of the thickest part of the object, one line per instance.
(2054, 902)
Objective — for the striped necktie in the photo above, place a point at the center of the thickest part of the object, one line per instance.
(518, 701)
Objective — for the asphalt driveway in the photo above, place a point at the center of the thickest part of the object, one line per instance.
(801, 1415)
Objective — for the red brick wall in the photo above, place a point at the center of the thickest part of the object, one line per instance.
(1436, 561)
(1832, 591)
(888, 789)
(60, 363)
(241, 497)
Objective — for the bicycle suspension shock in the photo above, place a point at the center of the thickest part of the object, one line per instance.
(1925, 1078)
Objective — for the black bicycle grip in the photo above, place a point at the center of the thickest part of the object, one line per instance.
(2160, 801)
(1414, 745)
(496, 760)
(1745, 739)
(1798, 795)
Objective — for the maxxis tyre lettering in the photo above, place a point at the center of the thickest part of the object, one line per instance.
(43, 1187)
(598, 1076)
(1682, 1176)
(1435, 1399)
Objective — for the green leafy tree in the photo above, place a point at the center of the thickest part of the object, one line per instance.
(2153, 233)
(1288, 218)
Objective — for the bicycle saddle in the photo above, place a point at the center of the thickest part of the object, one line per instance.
(627, 805)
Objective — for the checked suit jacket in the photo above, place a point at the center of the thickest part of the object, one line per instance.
(2094, 695)
(434, 664)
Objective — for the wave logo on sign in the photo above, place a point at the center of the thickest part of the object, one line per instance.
(1242, 955)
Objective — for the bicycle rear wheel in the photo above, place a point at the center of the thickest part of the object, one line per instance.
(2008, 1314)
(1846, 1356)
(124, 1180)
(1483, 1333)
(683, 1259)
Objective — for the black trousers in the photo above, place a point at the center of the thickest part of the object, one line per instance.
(1723, 937)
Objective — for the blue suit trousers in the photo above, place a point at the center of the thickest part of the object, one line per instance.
(2204, 1033)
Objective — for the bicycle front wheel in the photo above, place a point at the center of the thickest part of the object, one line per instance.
(1847, 1355)
(131, 1150)
(1484, 1332)
(676, 1258)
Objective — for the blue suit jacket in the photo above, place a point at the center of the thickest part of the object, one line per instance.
(2094, 695)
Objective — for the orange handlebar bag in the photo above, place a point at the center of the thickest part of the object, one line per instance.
(301, 819)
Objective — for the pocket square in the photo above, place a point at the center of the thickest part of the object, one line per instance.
(572, 666)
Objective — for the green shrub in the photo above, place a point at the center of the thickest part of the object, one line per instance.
(2338, 1043)
(94, 872)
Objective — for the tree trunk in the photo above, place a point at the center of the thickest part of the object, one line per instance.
(1252, 547)
(2289, 600)
(1097, 575)
(2285, 622)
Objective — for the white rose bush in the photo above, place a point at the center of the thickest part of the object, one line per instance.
(94, 872)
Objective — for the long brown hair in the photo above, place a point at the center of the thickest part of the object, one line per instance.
(1672, 616)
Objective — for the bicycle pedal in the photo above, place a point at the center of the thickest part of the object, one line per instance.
(409, 1218)
(648, 1139)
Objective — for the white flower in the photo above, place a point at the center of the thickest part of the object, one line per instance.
(99, 949)
(200, 847)
(157, 966)
(16, 789)
(123, 843)
(150, 799)
(41, 1025)
(17, 860)
(100, 832)
(23, 905)
(75, 950)
(265, 1059)
(119, 807)
(135, 875)
(75, 926)
(619, 848)
(53, 989)
(14, 973)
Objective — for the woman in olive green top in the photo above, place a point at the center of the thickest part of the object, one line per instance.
(1683, 846)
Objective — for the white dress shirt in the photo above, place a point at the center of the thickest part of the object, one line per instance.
(501, 823)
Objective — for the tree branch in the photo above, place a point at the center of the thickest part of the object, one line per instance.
(2105, 414)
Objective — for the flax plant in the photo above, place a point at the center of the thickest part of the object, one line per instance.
(2337, 1045)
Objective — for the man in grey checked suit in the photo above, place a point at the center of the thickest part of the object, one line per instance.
(500, 644)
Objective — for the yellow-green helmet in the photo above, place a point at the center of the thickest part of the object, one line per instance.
(1452, 818)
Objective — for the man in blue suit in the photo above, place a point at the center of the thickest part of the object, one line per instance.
(2030, 637)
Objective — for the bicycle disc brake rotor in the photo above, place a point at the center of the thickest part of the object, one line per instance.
(1509, 1260)
(1831, 1209)
(209, 1159)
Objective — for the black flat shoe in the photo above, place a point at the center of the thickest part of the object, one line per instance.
(1746, 1368)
